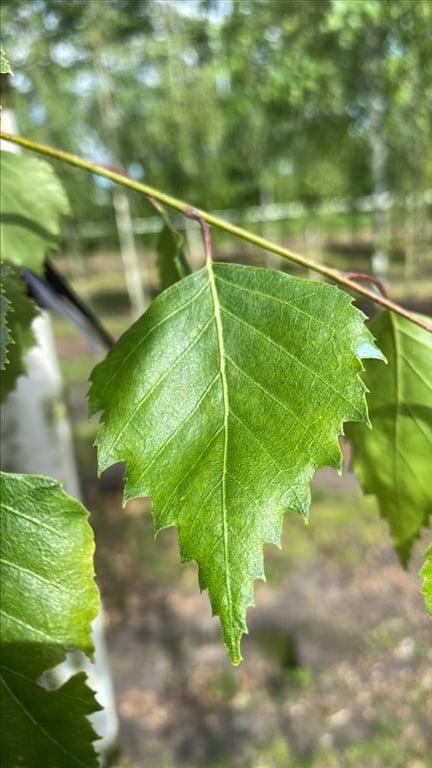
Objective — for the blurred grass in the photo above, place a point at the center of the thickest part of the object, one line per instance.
(331, 511)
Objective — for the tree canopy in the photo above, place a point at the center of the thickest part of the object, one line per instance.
(225, 103)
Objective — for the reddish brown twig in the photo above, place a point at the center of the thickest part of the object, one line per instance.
(193, 214)
(379, 285)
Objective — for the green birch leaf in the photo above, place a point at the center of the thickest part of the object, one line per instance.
(223, 399)
(32, 203)
(5, 67)
(426, 575)
(172, 262)
(48, 600)
(171, 256)
(393, 460)
(17, 315)
(5, 305)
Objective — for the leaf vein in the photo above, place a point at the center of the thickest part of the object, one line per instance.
(222, 355)
(198, 512)
(275, 400)
(265, 449)
(38, 725)
(34, 520)
(313, 373)
(108, 380)
(28, 626)
(178, 427)
(160, 381)
(191, 468)
(271, 297)
(415, 371)
(35, 575)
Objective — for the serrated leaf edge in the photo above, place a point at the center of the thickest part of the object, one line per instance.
(426, 575)
(365, 347)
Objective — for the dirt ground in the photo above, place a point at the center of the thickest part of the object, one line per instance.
(337, 667)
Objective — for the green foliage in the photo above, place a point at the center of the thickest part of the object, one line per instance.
(393, 460)
(5, 337)
(5, 67)
(49, 599)
(268, 86)
(17, 314)
(32, 203)
(234, 387)
(172, 261)
(426, 575)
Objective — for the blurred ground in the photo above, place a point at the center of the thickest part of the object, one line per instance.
(337, 669)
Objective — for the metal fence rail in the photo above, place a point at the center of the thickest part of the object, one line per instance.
(272, 212)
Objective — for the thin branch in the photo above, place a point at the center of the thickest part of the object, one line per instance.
(184, 208)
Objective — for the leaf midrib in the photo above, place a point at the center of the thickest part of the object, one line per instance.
(37, 724)
(225, 396)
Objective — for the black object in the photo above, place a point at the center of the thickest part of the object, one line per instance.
(52, 292)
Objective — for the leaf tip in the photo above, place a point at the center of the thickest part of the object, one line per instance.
(235, 655)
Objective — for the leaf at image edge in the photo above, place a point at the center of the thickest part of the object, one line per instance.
(17, 314)
(32, 203)
(392, 460)
(49, 599)
(426, 575)
(5, 67)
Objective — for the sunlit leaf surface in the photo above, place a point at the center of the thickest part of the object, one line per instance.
(223, 399)
(16, 317)
(32, 202)
(48, 599)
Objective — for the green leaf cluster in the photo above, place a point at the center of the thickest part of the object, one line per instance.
(48, 600)
(31, 206)
(279, 94)
(16, 335)
(48, 594)
(223, 399)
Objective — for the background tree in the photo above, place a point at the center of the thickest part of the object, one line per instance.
(251, 96)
